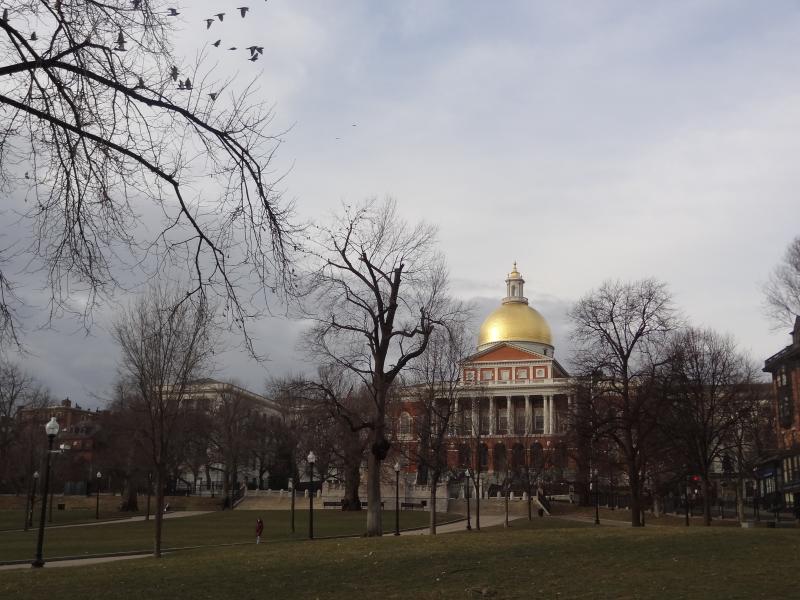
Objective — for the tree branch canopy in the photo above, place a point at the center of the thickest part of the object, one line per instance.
(98, 139)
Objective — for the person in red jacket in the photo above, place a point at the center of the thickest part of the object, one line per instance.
(259, 530)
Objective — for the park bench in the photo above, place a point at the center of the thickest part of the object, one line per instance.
(413, 505)
(332, 504)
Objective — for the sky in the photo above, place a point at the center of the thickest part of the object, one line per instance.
(586, 141)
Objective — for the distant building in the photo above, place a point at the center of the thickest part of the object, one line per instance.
(513, 400)
(780, 474)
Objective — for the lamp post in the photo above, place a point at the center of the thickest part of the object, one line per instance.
(291, 493)
(596, 500)
(97, 496)
(466, 496)
(311, 460)
(149, 493)
(52, 431)
(397, 498)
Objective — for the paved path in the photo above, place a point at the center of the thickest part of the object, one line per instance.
(78, 562)
(171, 515)
(486, 521)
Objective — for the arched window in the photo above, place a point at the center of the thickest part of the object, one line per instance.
(464, 456)
(499, 459)
(484, 454)
(518, 456)
(537, 456)
(405, 424)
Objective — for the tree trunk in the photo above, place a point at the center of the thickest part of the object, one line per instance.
(160, 476)
(352, 481)
(130, 494)
(636, 494)
(374, 524)
(434, 480)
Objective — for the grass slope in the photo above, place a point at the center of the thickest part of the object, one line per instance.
(549, 559)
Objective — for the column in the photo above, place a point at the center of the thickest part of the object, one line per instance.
(552, 413)
(492, 417)
(546, 408)
(475, 415)
(510, 415)
(528, 415)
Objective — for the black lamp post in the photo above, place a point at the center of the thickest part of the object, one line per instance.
(97, 496)
(311, 460)
(31, 503)
(467, 484)
(291, 492)
(397, 498)
(596, 499)
(52, 431)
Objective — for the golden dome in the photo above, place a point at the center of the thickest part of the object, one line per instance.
(515, 322)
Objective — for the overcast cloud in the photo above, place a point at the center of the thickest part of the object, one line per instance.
(586, 141)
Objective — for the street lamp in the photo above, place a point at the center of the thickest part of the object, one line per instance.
(52, 431)
(596, 500)
(291, 492)
(97, 496)
(397, 498)
(311, 460)
(466, 495)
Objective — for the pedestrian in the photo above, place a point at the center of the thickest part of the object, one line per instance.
(259, 530)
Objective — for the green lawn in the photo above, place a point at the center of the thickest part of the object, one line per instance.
(544, 559)
(14, 519)
(228, 527)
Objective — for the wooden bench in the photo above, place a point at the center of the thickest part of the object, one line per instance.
(413, 505)
(332, 504)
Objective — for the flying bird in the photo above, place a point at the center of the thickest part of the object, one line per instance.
(232, 48)
(253, 58)
(173, 12)
(173, 72)
(220, 16)
(209, 22)
(243, 10)
(254, 49)
(216, 44)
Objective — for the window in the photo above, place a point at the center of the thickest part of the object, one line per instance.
(540, 373)
(405, 424)
(487, 375)
(505, 374)
(469, 375)
(538, 423)
(522, 373)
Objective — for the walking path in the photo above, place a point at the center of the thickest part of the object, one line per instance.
(76, 562)
(169, 515)
(486, 521)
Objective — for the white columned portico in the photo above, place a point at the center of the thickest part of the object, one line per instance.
(552, 413)
(509, 416)
(528, 415)
(475, 416)
(492, 416)
(546, 414)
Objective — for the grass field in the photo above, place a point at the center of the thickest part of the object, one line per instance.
(228, 527)
(546, 559)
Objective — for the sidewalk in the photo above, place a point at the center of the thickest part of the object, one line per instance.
(486, 521)
(169, 515)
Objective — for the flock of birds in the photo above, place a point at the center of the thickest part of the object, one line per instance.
(119, 45)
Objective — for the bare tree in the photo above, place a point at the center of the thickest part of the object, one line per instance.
(166, 342)
(98, 118)
(782, 290)
(376, 293)
(434, 392)
(619, 330)
(707, 391)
